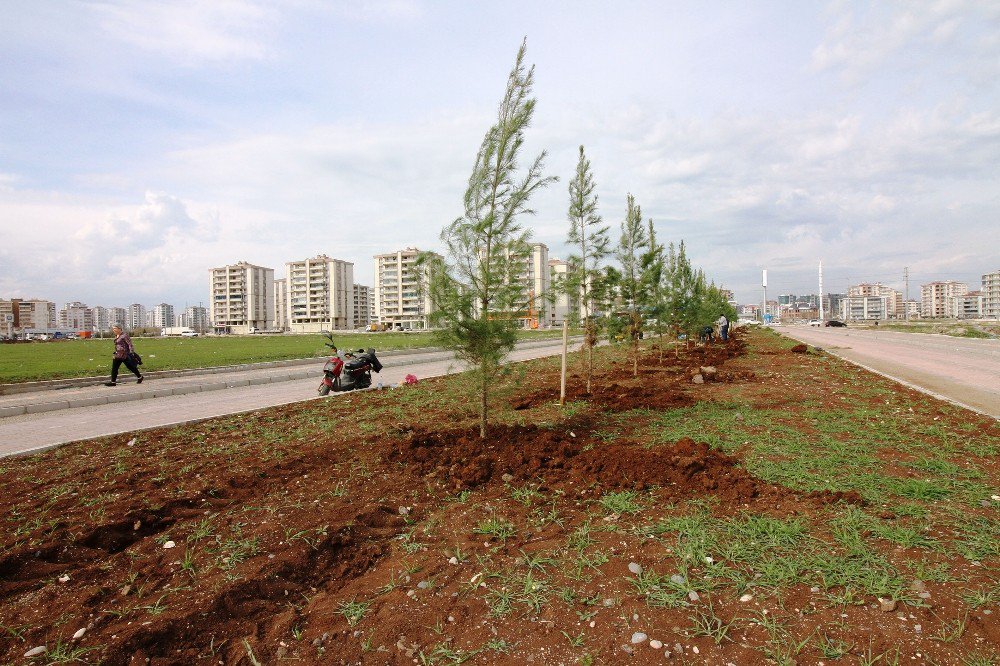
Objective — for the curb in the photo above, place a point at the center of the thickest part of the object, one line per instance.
(155, 392)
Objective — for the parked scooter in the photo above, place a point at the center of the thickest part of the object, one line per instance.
(350, 372)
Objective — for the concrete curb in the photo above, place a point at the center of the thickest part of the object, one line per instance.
(160, 392)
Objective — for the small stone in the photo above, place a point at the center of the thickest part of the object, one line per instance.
(698, 379)
(655, 644)
(125, 590)
(79, 633)
(694, 648)
(423, 585)
(746, 597)
(404, 510)
(709, 560)
(64, 578)
(627, 649)
(814, 590)
(507, 478)
(169, 544)
(677, 579)
(887, 605)
(131, 442)
(984, 503)
(917, 628)
(594, 624)
(924, 595)
(995, 498)
(451, 618)
(453, 560)
(678, 648)
(608, 603)
(738, 417)
(693, 596)
(918, 586)
(136, 525)
(639, 637)
(635, 568)
(317, 642)
(635, 617)
(35, 651)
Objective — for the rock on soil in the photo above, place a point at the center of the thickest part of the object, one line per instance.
(800, 349)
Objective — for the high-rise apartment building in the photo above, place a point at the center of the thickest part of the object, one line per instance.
(991, 295)
(76, 316)
(195, 317)
(894, 298)
(562, 307)
(401, 298)
(362, 305)
(863, 307)
(242, 298)
(136, 317)
(281, 304)
(966, 306)
(163, 315)
(101, 318)
(934, 297)
(320, 294)
(537, 279)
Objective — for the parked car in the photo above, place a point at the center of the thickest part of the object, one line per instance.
(835, 323)
(815, 322)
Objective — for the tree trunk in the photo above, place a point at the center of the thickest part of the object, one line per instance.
(482, 406)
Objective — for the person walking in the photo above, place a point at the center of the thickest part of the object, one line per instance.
(723, 323)
(124, 353)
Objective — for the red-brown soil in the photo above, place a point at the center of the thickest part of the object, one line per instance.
(282, 518)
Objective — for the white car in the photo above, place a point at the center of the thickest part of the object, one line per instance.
(815, 322)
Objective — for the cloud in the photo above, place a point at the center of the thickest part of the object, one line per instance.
(190, 32)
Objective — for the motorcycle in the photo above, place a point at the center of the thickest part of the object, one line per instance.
(352, 372)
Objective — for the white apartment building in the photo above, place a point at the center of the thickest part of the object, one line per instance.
(991, 295)
(538, 281)
(101, 318)
(561, 308)
(934, 297)
(863, 307)
(136, 317)
(362, 305)
(912, 309)
(320, 295)
(281, 304)
(242, 297)
(894, 298)
(401, 298)
(966, 306)
(76, 316)
(162, 316)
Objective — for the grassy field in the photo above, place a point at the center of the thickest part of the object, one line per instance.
(89, 358)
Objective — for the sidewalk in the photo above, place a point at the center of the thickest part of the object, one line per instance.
(179, 400)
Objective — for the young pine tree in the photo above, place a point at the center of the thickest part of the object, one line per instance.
(653, 265)
(590, 241)
(475, 291)
(630, 246)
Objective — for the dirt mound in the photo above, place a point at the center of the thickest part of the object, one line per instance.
(620, 394)
(529, 453)
(799, 349)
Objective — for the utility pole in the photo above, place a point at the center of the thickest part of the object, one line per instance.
(821, 291)
(906, 303)
(763, 310)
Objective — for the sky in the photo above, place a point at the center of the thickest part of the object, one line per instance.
(143, 143)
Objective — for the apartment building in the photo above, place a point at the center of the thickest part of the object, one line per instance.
(76, 316)
(966, 306)
(135, 317)
(101, 318)
(894, 299)
(27, 313)
(864, 307)
(281, 304)
(538, 283)
(561, 306)
(320, 294)
(401, 298)
(242, 297)
(991, 295)
(362, 305)
(194, 317)
(162, 316)
(934, 297)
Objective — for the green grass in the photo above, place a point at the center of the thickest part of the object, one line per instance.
(90, 358)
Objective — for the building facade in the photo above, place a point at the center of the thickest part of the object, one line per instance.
(966, 306)
(162, 316)
(27, 314)
(362, 306)
(76, 316)
(242, 298)
(401, 298)
(195, 317)
(320, 294)
(560, 307)
(281, 304)
(934, 297)
(991, 295)
(857, 308)
(136, 317)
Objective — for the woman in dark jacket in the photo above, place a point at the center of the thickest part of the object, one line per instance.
(123, 354)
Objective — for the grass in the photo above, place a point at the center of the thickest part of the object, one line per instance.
(89, 358)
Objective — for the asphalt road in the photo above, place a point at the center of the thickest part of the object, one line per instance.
(176, 400)
(965, 371)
